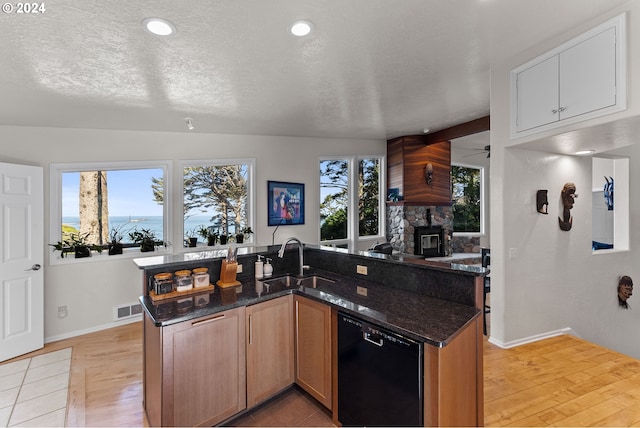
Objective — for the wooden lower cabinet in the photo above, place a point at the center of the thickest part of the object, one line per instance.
(270, 348)
(313, 348)
(204, 371)
(453, 383)
(194, 371)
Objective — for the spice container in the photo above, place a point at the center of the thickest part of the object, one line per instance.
(184, 281)
(163, 283)
(200, 277)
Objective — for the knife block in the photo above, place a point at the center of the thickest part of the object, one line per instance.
(228, 274)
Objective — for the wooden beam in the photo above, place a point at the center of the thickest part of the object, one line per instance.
(462, 130)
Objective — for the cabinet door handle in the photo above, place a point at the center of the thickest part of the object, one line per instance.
(554, 111)
(193, 324)
(561, 109)
(250, 331)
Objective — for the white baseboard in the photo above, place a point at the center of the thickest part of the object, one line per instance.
(530, 339)
(93, 329)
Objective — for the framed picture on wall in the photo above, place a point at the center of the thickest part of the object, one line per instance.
(285, 203)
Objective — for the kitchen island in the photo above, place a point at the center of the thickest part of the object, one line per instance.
(294, 321)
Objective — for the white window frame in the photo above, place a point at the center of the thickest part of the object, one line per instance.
(354, 239)
(483, 215)
(251, 194)
(55, 206)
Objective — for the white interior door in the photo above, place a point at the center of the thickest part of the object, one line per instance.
(21, 260)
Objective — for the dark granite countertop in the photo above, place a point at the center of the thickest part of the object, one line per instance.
(430, 320)
(446, 264)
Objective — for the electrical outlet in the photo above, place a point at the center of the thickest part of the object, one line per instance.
(513, 253)
(361, 291)
(362, 270)
(239, 270)
(62, 311)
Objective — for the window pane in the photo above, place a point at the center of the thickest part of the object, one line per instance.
(466, 184)
(216, 201)
(334, 186)
(96, 203)
(368, 197)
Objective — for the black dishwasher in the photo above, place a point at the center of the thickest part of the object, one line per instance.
(380, 376)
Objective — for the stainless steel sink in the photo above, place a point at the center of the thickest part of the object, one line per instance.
(289, 280)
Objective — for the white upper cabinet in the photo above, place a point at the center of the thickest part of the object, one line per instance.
(581, 79)
(537, 88)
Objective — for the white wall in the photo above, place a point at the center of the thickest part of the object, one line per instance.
(90, 289)
(554, 282)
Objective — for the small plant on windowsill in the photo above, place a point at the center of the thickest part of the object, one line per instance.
(116, 235)
(191, 240)
(224, 238)
(244, 234)
(208, 235)
(146, 238)
(76, 243)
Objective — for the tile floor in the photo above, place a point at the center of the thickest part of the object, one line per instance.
(33, 391)
(293, 408)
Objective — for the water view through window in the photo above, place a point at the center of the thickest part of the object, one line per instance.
(98, 202)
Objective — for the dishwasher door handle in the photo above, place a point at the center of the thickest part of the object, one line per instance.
(367, 336)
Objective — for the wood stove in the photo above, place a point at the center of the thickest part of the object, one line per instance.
(428, 241)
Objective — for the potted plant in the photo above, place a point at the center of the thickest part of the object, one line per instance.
(146, 238)
(224, 238)
(191, 238)
(244, 233)
(208, 235)
(76, 243)
(62, 246)
(114, 246)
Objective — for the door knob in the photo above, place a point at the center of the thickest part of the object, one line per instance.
(34, 267)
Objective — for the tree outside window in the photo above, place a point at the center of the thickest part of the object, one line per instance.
(215, 198)
(334, 199)
(369, 197)
(466, 183)
(337, 187)
(96, 202)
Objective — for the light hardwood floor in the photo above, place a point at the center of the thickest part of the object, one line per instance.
(106, 377)
(559, 381)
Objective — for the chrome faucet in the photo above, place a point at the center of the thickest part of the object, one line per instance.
(300, 253)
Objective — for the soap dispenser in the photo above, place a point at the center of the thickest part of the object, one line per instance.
(268, 269)
(259, 269)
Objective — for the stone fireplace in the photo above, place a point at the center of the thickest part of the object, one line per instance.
(403, 220)
(428, 241)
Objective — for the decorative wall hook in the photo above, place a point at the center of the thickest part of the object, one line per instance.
(542, 203)
(625, 290)
(568, 196)
(428, 173)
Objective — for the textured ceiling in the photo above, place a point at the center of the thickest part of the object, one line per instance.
(371, 69)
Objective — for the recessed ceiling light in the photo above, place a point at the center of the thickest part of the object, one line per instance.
(585, 152)
(159, 26)
(301, 28)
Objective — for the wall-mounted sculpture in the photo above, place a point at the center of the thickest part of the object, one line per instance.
(542, 203)
(428, 173)
(568, 196)
(608, 193)
(625, 290)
